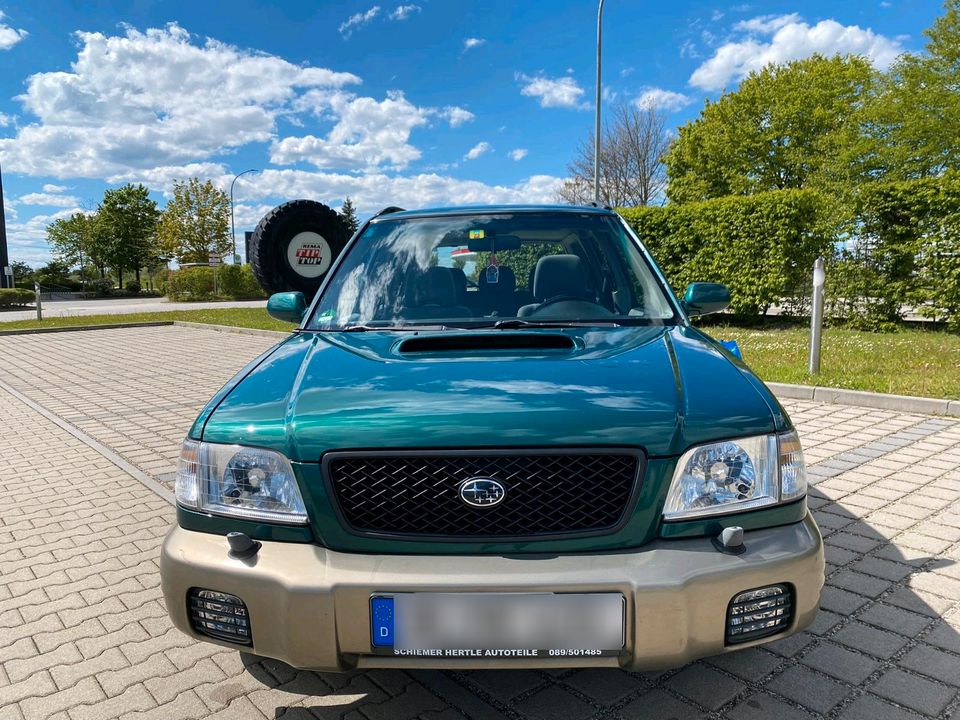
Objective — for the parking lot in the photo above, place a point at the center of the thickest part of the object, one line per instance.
(90, 424)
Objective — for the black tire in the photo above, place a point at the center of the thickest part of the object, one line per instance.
(280, 268)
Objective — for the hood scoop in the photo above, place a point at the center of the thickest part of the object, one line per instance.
(490, 341)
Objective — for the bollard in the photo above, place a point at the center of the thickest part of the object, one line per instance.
(36, 290)
(816, 316)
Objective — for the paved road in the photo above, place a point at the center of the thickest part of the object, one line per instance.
(119, 306)
(83, 632)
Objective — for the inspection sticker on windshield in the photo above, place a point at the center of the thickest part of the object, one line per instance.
(498, 624)
(477, 234)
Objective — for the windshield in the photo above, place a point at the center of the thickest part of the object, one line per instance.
(504, 270)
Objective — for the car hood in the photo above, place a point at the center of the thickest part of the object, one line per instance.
(658, 388)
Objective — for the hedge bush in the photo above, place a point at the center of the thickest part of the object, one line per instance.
(238, 282)
(10, 297)
(761, 246)
(197, 283)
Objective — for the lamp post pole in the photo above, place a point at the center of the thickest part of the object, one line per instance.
(4, 257)
(596, 129)
(233, 231)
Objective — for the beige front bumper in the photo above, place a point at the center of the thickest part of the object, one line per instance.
(309, 606)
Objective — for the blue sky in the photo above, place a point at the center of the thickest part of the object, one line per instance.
(413, 103)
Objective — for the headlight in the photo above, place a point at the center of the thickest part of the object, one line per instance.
(238, 481)
(737, 475)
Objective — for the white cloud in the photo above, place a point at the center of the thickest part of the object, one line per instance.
(51, 188)
(27, 240)
(472, 42)
(48, 199)
(402, 12)
(518, 154)
(662, 99)
(9, 36)
(5, 119)
(560, 92)
(766, 24)
(357, 21)
(456, 116)
(153, 99)
(792, 39)
(481, 148)
(367, 134)
(9, 208)
(375, 191)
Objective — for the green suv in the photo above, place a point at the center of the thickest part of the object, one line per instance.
(494, 440)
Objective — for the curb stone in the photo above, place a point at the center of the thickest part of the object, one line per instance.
(230, 329)
(80, 328)
(882, 401)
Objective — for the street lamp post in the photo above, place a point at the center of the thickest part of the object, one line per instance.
(233, 231)
(596, 129)
(4, 257)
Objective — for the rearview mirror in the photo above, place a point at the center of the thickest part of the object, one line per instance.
(705, 298)
(287, 307)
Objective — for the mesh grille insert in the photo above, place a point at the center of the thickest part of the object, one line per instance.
(545, 493)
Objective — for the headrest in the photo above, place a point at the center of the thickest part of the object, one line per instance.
(435, 287)
(559, 275)
(506, 280)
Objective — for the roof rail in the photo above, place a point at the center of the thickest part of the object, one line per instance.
(387, 210)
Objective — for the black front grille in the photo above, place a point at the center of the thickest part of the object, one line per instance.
(546, 493)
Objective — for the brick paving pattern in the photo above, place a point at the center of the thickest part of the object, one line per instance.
(83, 631)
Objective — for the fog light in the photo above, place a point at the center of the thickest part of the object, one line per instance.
(219, 615)
(758, 613)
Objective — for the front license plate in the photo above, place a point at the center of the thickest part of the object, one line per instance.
(498, 624)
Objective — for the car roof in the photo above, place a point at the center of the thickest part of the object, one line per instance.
(494, 210)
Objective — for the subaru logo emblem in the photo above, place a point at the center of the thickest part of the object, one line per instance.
(482, 492)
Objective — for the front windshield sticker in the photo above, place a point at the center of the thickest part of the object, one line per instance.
(477, 234)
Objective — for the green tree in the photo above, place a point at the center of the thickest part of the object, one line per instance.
(127, 220)
(77, 241)
(196, 222)
(786, 127)
(349, 214)
(22, 274)
(917, 121)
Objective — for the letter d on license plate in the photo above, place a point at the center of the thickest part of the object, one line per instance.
(498, 624)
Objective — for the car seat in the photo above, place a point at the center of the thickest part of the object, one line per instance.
(561, 287)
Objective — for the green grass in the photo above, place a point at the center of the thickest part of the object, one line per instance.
(907, 362)
(237, 317)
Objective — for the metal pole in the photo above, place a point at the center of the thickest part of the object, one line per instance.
(4, 256)
(36, 291)
(233, 232)
(596, 129)
(816, 317)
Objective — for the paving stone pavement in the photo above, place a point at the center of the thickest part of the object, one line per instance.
(83, 631)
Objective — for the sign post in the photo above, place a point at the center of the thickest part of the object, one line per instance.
(214, 260)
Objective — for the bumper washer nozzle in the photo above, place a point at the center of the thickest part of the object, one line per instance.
(241, 546)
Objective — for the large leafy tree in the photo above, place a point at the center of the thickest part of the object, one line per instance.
(127, 220)
(786, 127)
(196, 222)
(78, 241)
(917, 122)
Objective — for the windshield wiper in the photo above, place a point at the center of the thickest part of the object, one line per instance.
(513, 323)
(364, 327)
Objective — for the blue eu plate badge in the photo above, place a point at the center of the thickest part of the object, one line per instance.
(381, 615)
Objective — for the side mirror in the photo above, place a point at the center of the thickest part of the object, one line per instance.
(287, 306)
(705, 298)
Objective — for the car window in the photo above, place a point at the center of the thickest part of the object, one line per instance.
(476, 270)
